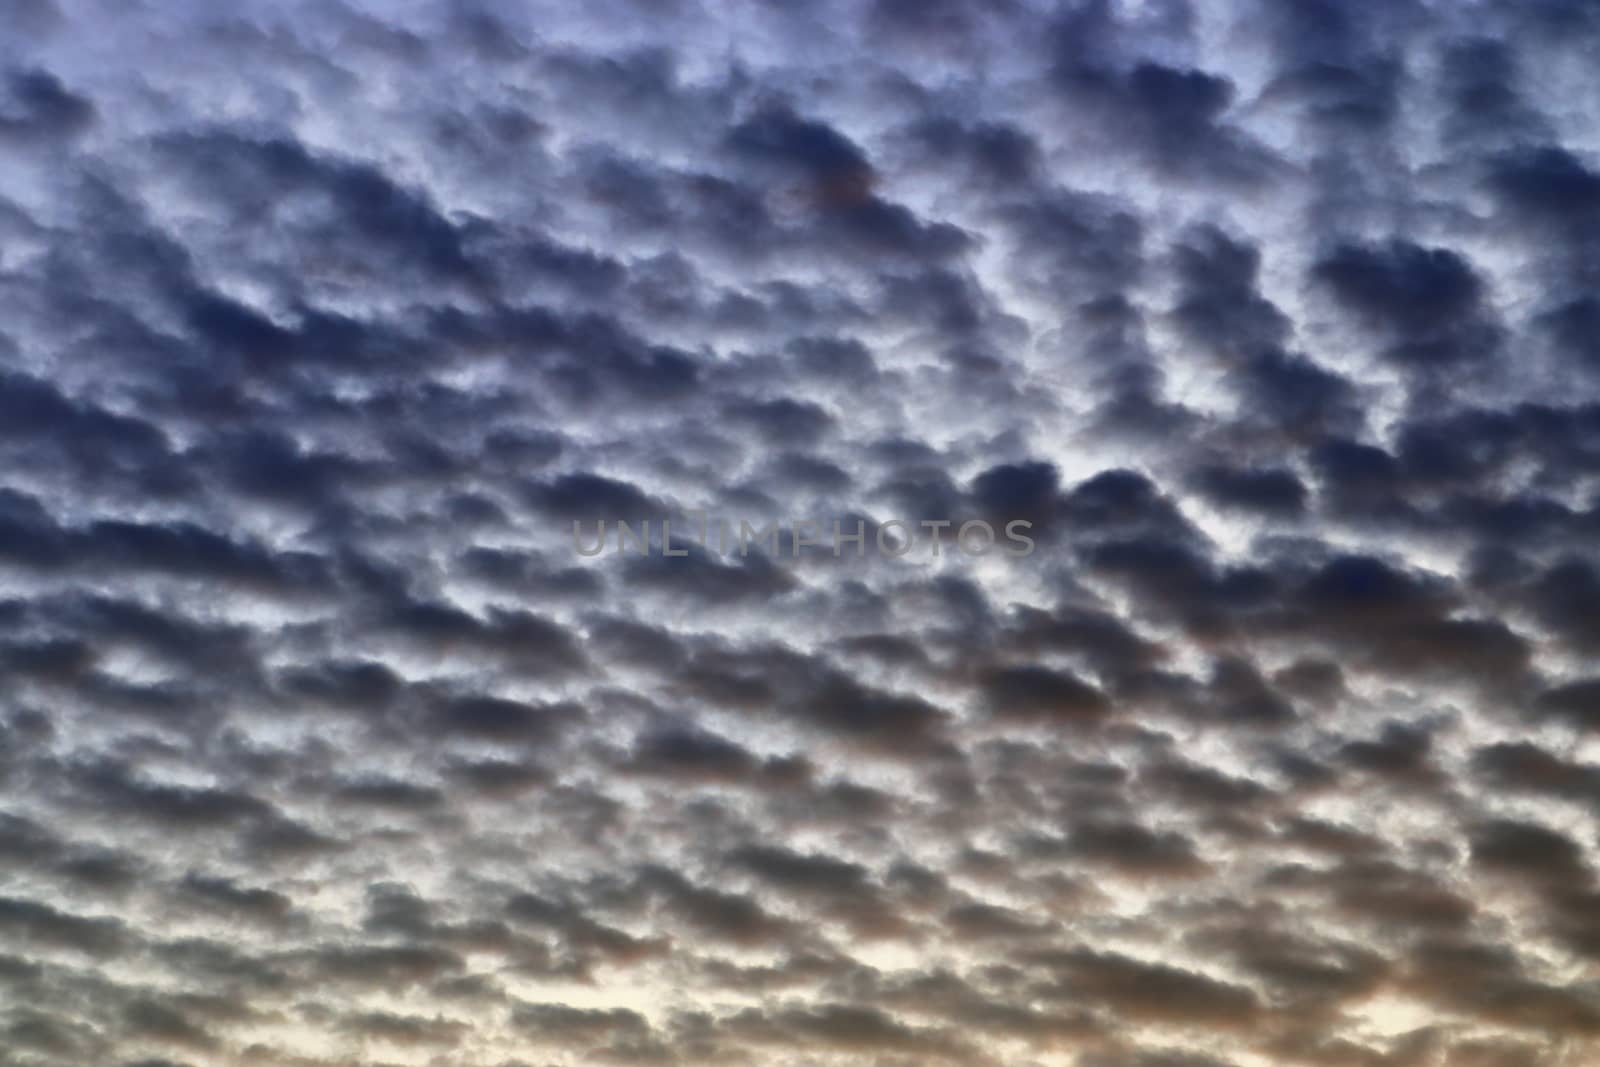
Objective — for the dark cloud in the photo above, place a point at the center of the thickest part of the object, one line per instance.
(1147, 991)
(1038, 694)
(38, 107)
(1271, 492)
(1577, 703)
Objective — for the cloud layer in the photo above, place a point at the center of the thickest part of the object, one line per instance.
(320, 324)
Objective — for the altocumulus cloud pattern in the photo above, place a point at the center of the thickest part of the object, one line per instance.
(321, 323)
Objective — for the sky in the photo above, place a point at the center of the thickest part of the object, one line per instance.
(333, 333)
